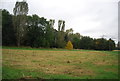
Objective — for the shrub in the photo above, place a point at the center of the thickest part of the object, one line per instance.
(69, 45)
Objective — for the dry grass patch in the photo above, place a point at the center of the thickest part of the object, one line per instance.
(74, 63)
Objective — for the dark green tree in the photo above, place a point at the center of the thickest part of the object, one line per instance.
(49, 36)
(76, 40)
(111, 44)
(104, 44)
(101, 44)
(35, 31)
(86, 42)
(8, 34)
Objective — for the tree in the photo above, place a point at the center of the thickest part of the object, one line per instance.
(51, 23)
(118, 45)
(73, 37)
(111, 44)
(36, 31)
(54, 44)
(19, 19)
(101, 44)
(63, 26)
(69, 34)
(61, 34)
(104, 44)
(69, 31)
(76, 40)
(8, 34)
(86, 42)
(59, 25)
(60, 39)
(35, 36)
(69, 45)
(21, 8)
(49, 35)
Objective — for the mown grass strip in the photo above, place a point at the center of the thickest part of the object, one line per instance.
(48, 49)
(12, 73)
(57, 49)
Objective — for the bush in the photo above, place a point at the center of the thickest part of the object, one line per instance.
(69, 45)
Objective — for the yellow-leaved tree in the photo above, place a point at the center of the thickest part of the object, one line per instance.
(69, 45)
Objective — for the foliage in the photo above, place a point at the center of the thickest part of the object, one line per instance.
(8, 33)
(111, 44)
(86, 42)
(34, 31)
(103, 44)
(21, 8)
(60, 34)
(60, 39)
(118, 46)
(69, 45)
(19, 19)
(74, 38)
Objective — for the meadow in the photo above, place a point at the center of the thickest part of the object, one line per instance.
(58, 64)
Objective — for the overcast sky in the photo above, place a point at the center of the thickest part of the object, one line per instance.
(93, 18)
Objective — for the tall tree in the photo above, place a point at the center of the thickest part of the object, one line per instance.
(35, 36)
(20, 11)
(8, 35)
(51, 23)
(63, 26)
(21, 8)
(59, 25)
(49, 33)
(61, 34)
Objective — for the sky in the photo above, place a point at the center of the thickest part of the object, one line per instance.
(94, 18)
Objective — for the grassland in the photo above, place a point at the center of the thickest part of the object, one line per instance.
(59, 64)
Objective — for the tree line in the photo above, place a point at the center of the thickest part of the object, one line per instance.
(21, 29)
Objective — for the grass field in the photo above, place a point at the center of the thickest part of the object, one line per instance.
(59, 64)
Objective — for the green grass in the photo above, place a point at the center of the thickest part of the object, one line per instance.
(13, 73)
(52, 63)
(56, 49)
(48, 49)
(29, 48)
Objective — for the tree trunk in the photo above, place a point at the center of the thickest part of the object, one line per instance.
(18, 44)
(18, 41)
